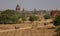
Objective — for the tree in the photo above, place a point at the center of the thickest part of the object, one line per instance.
(47, 16)
(33, 18)
(57, 20)
(9, 17)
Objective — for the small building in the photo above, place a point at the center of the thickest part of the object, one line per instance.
(55, 13)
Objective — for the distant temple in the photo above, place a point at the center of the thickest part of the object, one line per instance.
(18, 8)
(55, 13)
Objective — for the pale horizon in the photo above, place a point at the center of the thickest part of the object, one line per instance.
(30, 4)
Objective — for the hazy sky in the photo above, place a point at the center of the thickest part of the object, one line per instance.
(30, 4)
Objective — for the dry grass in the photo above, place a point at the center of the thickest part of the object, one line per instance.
(30, 32)
(38, 29)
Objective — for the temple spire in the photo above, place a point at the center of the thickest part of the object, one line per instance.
(17, 8)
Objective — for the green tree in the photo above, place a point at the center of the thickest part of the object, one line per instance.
(57, 20)
(47, 16)
(33, 18)
(9, 17)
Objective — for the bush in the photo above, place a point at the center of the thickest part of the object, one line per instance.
(57, 20)
(9, 17)
(47, 16)
(58, 31)
(33, 18)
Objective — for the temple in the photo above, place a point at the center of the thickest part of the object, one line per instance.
(18, 8)
(55, 13)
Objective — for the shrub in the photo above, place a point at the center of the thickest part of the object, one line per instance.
(33, 18)
(57, 20)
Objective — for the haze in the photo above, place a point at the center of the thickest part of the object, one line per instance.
(30, 4)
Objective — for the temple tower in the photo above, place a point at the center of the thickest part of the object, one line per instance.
(18, 8)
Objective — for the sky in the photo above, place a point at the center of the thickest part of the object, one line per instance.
(30, 4)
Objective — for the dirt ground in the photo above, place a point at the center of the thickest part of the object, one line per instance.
(30, 32)
(38, 29)
(33, 31)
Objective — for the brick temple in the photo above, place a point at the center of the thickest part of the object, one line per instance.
(55, 13)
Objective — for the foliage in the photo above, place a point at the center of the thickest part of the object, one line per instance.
(9, 17)
(23, 18)
(58, 31)
(33, 18)
(57, 20)
(47, 16)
